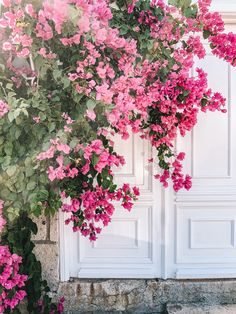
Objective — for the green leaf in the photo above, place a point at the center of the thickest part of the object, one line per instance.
(95, 159)
(2, 67)
(113, 188)
(66, 82)
(25, 112)
(73, 142)
(175, 3)
(182, 4)
(16, 113)
(12, 213)
(11, 171)
(56, 74)
(31, 185)
(10, 116)
(206, 34)
(204, 102)
(11, 94)
(106, 183)
(8, 148)
(52, 127)
(42, 195)
(9, 86)
(29, 172)
(73, 14)
(186, 93)
(191, 12)
(91, 104)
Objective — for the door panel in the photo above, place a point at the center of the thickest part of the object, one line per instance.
(186, 235)
(129, 246)
(202, 220)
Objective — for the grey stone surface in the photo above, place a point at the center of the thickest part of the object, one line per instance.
(54, 229)
(48, 256)
(198, 309)
(42, 228)
(144, 296)
(127, 295)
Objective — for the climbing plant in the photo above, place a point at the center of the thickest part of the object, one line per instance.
(73, 73)
(17, 239)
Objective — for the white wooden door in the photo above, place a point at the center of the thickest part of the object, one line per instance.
(130, 246)
(201, 223)
(188, 235)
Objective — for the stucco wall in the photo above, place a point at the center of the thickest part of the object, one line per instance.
(131, 296)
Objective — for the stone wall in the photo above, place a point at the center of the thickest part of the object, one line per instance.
(47, 249)
(144, 296)
(129, 296)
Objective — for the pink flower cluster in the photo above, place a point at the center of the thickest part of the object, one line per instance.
(224, 46)
(94, 208)
(104, 157)
(211, 21)
(10, 280)
(56, 146)
(61, 171)
(154, 107)
(4, 108)
(87, 184)
(18, 42)
(142, 85)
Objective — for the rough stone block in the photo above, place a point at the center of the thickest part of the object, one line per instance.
(48, 256)
(198, 309)
(54, 228)
(42, 228)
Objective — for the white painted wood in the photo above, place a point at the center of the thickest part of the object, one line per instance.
(211, 273)
(130, 246)
(202, 238)
(224, 6)
(186, 235)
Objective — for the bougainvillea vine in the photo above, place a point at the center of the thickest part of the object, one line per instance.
(73, 73)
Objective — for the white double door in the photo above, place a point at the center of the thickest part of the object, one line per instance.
(188, 235)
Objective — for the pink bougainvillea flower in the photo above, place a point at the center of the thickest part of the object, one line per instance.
(10, 279)
(36, 119)
(91, 114)
(6, 46)
(4, 108)
(24, 53)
